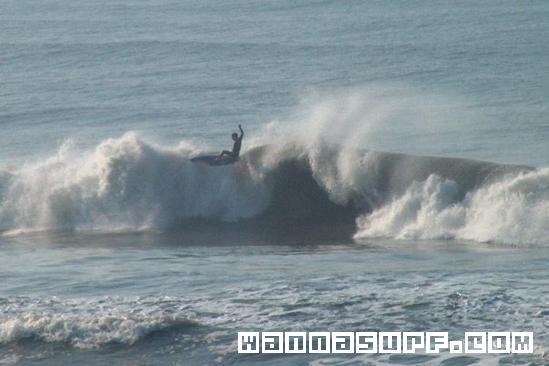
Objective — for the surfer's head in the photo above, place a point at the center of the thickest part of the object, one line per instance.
(235, 136)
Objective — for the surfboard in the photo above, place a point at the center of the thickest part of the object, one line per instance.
(212, 160)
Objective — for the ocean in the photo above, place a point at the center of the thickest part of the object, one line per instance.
(394, 176)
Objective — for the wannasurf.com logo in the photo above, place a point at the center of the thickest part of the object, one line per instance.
(384, 342)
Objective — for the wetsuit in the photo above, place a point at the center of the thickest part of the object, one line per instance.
(236, 149)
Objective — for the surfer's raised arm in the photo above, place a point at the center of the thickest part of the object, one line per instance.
(241, 132)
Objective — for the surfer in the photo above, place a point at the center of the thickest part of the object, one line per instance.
(236, 147)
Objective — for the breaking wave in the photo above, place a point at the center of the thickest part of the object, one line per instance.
(128, 183)
(87, 323)
(514, 210)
